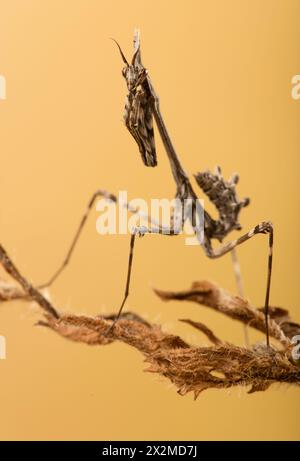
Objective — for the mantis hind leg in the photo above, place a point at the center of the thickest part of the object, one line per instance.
(265, 227)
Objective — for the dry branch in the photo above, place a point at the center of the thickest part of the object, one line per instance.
(189, 368)
(210, 295)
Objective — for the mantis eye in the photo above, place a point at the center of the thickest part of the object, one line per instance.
(124, 71)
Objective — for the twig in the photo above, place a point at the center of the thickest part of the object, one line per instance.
(189, 368)
(210, 295)
(29, 290)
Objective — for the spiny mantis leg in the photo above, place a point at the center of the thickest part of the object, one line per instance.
(132, 126)
(262, 228)
(139, 231)
(97, 194)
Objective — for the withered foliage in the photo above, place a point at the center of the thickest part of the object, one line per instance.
(208, 294)
(189, 368)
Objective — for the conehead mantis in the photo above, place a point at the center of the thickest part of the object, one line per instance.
(141, 108)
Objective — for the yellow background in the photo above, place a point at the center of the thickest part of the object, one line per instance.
(223, 71)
